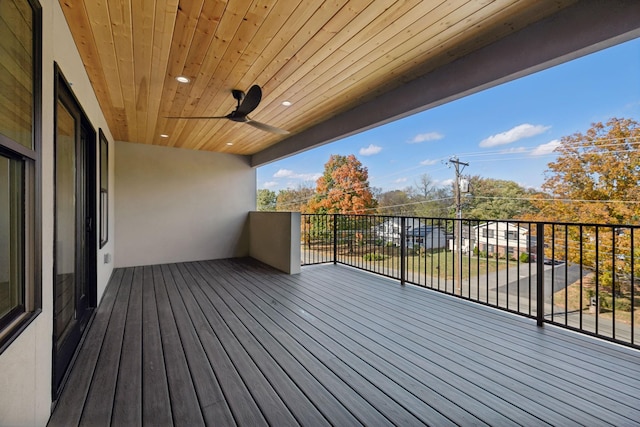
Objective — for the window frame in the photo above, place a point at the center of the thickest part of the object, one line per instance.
(511, 235)
(32, 197)
(104, 188)
(488, 233)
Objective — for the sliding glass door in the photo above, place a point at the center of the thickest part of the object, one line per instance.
(75, 251)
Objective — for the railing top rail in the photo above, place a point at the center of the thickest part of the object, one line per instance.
(479, 220)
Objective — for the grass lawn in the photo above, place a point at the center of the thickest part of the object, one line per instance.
(623, 304)
(436, 264)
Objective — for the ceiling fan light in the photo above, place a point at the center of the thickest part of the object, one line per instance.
(183, 79)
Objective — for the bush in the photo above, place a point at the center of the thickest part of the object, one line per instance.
(373, 257)
(623, 304)
(524, 257)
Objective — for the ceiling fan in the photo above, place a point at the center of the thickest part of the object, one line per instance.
(246, 104)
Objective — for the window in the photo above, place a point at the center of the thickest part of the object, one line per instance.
(511, 235)
(11, 238)
(104, 189)
(20, 70)
(487, 233)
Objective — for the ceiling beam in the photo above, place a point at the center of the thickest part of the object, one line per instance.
(583, 28)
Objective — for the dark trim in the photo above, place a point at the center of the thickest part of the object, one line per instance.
(17, 148)
(103, 219)
(32, 219)
(88, 168)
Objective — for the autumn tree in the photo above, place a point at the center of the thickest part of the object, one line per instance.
(343, 188)
(266, 200)
(596, 176)
(596, 179)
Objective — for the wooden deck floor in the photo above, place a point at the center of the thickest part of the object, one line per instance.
(234, 342)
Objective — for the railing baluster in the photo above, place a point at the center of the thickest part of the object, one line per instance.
(540, 274)
(633, 284)
(403, 244)
(398, 247)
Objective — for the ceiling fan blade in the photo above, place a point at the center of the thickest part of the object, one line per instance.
(250, 101)
(267, 128)
(196, 117)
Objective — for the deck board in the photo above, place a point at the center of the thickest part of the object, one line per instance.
(234, 342)
(156, 402)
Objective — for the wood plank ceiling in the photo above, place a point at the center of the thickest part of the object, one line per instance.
(324, 57)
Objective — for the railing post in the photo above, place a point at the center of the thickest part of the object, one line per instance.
(540, 273)
(335, 238)
(403, 246)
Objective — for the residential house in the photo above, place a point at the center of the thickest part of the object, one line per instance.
(94, 175)
(417, 233)
(504, 239)
(467, 239)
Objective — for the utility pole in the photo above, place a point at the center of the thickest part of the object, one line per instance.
(457, 226)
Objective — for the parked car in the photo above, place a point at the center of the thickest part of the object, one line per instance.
(549, 261)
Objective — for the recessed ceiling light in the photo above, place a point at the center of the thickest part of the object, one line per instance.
(164, 135)
(229, 143)
(183, 79)
(286, 103)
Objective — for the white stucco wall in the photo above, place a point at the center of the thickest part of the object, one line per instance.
(25, 366)
(176, 205)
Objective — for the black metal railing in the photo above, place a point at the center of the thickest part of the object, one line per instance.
(579, 276)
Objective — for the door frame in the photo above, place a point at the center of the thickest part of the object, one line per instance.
(88, 170)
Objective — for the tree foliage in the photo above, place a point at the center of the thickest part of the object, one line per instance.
(395, 202)
(596, 176)
(595, 179)
(266, 200)
(343, 188)
(424, 199)
(294, 200)
(496, 199)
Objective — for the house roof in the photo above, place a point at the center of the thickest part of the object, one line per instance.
(344, 65)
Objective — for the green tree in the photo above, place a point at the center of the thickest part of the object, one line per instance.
(266, 200)
(439, 204)
(395, 202)
(294, 200)
(497, 199)
(343, 188)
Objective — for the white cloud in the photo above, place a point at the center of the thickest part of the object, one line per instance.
(547, 148)
(424, 137)
(428, 162)
(287, 173)
(269, 184)
(283, 173)
(525, 130)
(370, 150)
(400, 180)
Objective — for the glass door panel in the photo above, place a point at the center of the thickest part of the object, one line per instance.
(66, 226)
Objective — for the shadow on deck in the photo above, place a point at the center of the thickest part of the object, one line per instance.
(234, 342)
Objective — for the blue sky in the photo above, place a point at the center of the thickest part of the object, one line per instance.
(506, 132)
